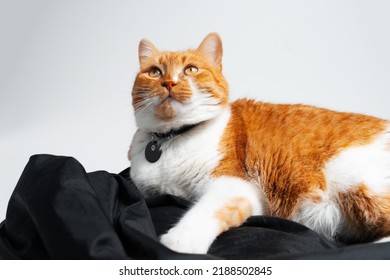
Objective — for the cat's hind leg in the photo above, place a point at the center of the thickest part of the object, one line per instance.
(359, 178)
(227, 202)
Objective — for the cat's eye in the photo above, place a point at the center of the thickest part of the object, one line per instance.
(155, 72)
(191, 70)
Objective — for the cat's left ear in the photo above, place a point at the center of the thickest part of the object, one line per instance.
(211, 47)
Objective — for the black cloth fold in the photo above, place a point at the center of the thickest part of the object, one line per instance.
(59, 211)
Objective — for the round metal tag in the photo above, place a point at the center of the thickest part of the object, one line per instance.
(152, 151)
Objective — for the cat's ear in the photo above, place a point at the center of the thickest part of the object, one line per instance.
(211, 48)
(147, 53)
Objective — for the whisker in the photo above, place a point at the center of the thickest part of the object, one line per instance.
(143, 104)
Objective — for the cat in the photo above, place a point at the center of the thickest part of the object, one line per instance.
(327, 170)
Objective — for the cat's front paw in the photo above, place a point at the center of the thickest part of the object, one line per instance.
(185, 241)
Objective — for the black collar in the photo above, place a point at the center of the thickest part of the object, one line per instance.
(174, 132)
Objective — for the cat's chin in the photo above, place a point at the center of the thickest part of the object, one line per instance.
(166, 110)
(170, 114)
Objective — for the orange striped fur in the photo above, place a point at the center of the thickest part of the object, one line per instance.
(287, 146)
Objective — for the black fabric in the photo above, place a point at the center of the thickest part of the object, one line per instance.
(58, 211)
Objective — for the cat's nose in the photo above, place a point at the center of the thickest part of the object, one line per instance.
(168, 85)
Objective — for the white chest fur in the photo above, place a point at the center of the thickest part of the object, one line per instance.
(186, 162)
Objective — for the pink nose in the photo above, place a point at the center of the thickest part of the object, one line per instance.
(168, 84)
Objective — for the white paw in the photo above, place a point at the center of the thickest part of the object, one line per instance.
(186, 241)
(382, 240)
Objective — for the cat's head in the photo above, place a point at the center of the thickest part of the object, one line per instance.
(174, 89)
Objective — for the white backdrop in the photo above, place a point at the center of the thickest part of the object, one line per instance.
(67, 67)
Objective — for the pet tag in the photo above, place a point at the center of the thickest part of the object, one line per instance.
(152, 151)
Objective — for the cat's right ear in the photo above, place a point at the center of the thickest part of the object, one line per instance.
(147, 53)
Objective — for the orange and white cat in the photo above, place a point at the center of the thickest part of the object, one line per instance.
(327, 170)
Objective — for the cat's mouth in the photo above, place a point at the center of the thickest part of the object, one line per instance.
(175, 96)
(169, 98)
(172, 97)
